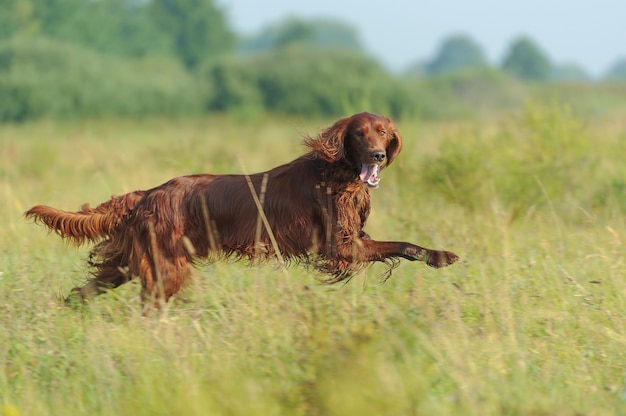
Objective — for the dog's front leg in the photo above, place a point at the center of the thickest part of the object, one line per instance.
(371, 250)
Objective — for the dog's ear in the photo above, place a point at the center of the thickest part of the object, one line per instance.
(395, 145)
(329, 144)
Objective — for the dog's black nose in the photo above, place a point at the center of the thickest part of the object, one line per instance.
(378, 156)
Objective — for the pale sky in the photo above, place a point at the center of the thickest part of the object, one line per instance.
(400, 32)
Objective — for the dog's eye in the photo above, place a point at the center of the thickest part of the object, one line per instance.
(359, 133)
(383, 132)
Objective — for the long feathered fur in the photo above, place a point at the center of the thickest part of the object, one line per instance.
(313, 210)
(88, 224)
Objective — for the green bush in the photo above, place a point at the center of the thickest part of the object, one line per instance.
(231, 85)
(46, 78)
(540, 158)
(300, 80)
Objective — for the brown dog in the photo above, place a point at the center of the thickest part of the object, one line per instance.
(312, 210)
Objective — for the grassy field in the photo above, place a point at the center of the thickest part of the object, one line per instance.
(532, 321)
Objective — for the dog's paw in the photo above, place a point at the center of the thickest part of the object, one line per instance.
(439, 259)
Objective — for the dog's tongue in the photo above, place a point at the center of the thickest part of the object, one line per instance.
(369, 175)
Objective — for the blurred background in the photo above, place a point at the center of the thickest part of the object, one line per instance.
(434, 60)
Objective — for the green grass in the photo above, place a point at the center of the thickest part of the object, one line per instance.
(532, 321)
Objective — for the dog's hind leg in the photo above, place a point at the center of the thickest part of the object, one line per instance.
(160, 280)
(110, 274)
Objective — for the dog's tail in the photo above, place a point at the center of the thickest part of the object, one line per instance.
(92, 224)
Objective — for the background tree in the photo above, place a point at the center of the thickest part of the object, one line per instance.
(525, 60)
(196, 29)
(617, 72)
(122, 27)
(456, 53)
(17, 18)
(323, 33)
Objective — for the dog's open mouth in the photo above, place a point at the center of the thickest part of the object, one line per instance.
(369, 175)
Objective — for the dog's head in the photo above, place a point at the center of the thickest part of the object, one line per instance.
(366, 142)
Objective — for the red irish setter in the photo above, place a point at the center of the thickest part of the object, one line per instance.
(311, 210)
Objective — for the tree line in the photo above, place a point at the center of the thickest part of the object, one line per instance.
(524, 59)
(81, 58)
